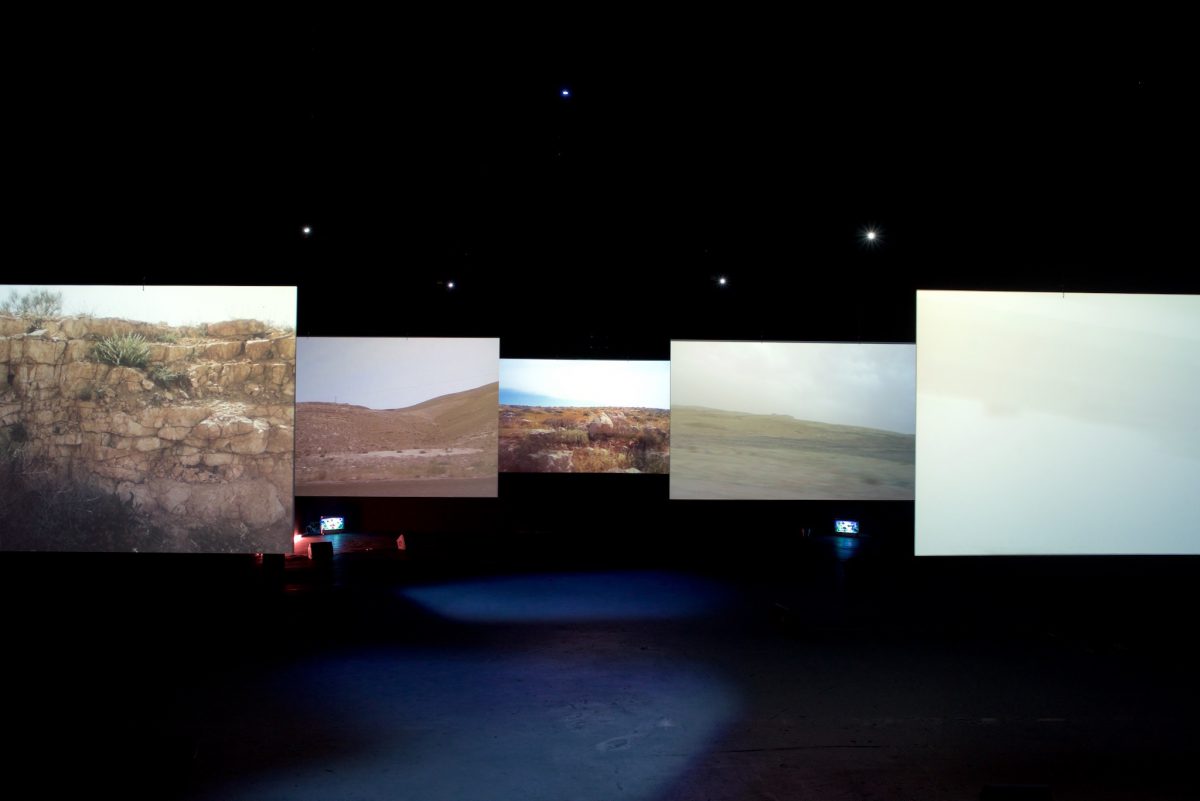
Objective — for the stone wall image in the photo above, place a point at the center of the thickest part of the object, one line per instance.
(191, 452)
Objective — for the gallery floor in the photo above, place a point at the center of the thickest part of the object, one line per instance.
(378, 681)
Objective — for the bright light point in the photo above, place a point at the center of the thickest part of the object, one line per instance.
(306, 230)
(566, 92)
(871, 236)
(450, 285)
(722, 281)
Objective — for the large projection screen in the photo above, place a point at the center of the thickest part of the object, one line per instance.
(585, 416)
(397, 417)
(792, 420)
(147, 418)
(1057, 424)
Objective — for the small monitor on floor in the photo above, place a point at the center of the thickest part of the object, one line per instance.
(333, 524)
(845, 527)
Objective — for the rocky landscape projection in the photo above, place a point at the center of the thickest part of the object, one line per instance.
(574, 439)
(793, 420)
(119, 435)
(585, 416)
(723, 454)
(445, 446)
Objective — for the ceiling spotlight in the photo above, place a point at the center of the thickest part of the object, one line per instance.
(871, 236)
(722, 281)
(306, 230)
(449, 285)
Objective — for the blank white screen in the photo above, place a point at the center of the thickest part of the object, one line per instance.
(1057, 424)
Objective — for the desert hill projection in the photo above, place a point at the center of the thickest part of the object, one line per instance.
(793, 420)
(728, 454)
(442, 446)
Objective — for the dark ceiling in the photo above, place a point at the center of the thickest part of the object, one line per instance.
(195, 151)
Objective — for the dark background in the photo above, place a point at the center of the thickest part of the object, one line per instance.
(989, 153)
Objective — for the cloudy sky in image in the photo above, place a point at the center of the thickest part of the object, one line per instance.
(391, 373)
(868, 385)
(174, 305)
(584, 382)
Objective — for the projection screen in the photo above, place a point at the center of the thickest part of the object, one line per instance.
(397, 417)
(1057, 424)
(792, 420)
(147, 418)
(584, 416)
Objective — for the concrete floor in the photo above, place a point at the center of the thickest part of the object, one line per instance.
(648, 685)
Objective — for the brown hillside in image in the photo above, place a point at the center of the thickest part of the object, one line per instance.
(442, 422)
(442, 446)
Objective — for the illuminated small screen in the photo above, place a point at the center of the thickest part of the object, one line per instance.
(845, 526)
(333, 523)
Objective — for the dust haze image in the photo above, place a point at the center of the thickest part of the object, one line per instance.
(1082, 409)
(793, 420)
(392, 417)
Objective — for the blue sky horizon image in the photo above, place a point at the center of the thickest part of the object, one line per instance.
(585, 383)
(392, 372)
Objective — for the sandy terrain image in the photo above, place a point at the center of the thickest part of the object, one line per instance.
(441, 447)
(575, 439)
(731, 455)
